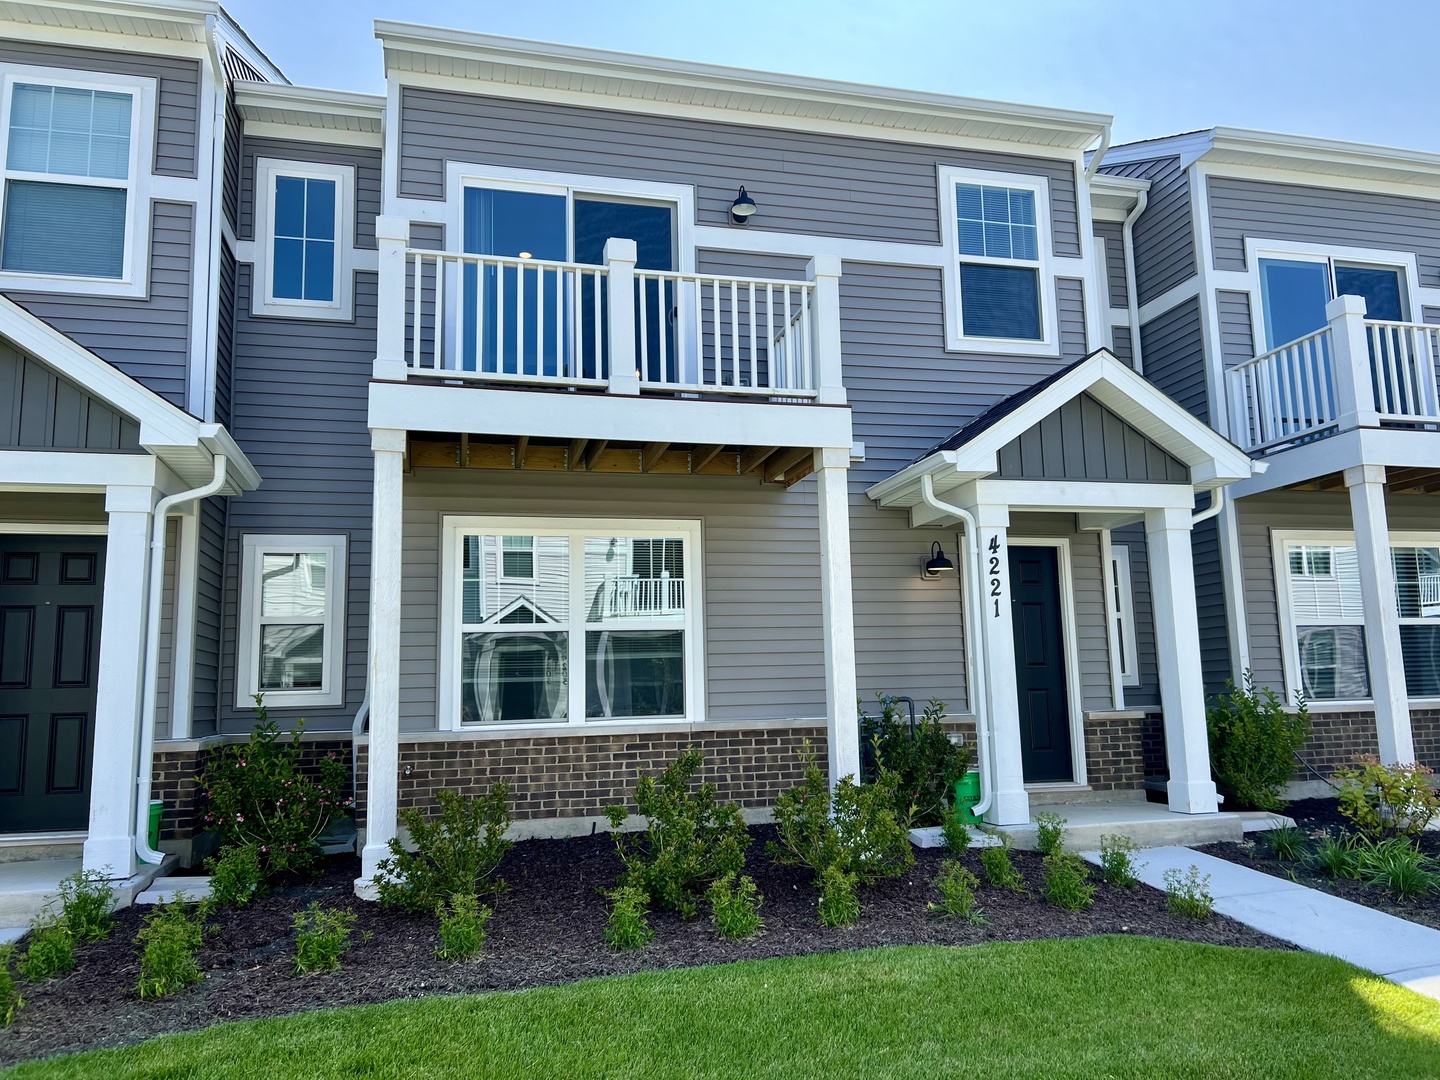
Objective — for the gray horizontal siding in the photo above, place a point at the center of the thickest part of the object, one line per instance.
(1145, 695)
(40, 409)
(1215, 666)
(209, 603)
(803, 181)
(148, 339)
(230, 179)
(1430, 315)
(1113, 233)
(177, 123)
(1241, 208)
(1120, 345)
(1173, 346)
(1164, 236)
(367, 179)
(165, 660)
(1083, 440)
(1237, 333)
(225, 335)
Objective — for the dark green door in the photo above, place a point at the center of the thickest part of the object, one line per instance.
(50, 589)
(1040, 665)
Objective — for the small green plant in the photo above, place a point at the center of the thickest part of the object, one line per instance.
(926, 765)
(955, 835)
(627, 927)
(1067, 881)
(322, 936)
(1188, 893)
(838, 904)
(456, 852)
(999, 867)
(1387, 800)
(1336, 856)
(236, 876)
(957, 893)
(10, 1000)
(1117, 861)
(735, 906)
(1399, 867)
(171, 939)
(691, 839)
(1049, 833)
(1253, 742)
(1287, 844)
(49, 950)
(87, 902)
(462, 927)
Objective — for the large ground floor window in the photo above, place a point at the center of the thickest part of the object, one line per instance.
(569, 622)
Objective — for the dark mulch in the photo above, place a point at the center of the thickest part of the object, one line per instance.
(547, 929)
(1316, 817)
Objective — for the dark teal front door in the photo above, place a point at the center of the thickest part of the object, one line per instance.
(1040, 665)
(50, 590)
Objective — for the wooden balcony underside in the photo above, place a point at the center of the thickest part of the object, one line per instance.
(1398, 481)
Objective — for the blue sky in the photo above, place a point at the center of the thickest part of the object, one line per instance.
(1359, 71)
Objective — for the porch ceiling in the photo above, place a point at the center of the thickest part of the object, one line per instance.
(1397, 482)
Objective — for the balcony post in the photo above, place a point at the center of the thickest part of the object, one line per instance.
(824, 272)
(1350, 364)
(837, 613)
(392, 235)
(620, 256)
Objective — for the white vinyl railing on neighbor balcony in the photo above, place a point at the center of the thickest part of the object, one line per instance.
(539, 322)
(1353, 373)
(629, 597)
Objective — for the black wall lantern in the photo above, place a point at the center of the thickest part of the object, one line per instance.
(742, 208)
(937, 564)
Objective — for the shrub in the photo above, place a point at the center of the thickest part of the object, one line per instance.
(1188, 893)
(1287, 844)
(735, 906)
(999, 869)
(462, 927)
(1336, 857)
(258, 793)
(172, 936)
(955, 834)
(838, 905)
(1387, 800)
(456, 852)
(1049, 833)
(627, 927)
(235, 875)
(1253, 743)
(926, 767)
(1398, 867)
(322, 936)
(87, 902)
(957, 893)
(10, 1000)
(49, 951)
(1067, 881)
(1117, 861)
(691, 839)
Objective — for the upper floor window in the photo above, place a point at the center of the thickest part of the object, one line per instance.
(73, 181)
(996, 228)
(305, 239)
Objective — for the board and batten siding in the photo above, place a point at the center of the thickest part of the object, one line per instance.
(804, 182)
(1254, 208)
(1164, 236)
(42, 410)
(1173, 345)
(1083, 440)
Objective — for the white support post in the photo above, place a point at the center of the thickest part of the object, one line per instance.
(620, 256)
(1177, 650)
(832, 473)
(383, 767)
(994, 621)
(1382, 613)
(110, 845)
(1350, 362)
(824, 272)
(392, 236)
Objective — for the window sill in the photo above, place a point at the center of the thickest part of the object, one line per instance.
(120, 288)
(1004, 346)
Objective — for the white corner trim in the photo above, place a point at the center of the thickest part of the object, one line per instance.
(262, 299)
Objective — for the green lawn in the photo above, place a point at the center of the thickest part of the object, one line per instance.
(1113, 1006)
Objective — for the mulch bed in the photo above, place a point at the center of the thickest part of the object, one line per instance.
(1316, 817)
(547, 929)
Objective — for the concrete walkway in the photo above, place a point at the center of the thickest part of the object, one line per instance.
(1401, 951)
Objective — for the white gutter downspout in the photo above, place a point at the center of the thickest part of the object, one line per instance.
(974, 665)
(1099, 154)
(1127, 243)
(159, 518)
(1217, 503)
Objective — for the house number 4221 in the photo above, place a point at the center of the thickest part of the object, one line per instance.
(994, 573)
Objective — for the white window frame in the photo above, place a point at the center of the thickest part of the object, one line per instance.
(501, 575)
(331, 692)
(262, 289)
(448, 694)
(1048, 344)
(134, 279)
(1124, 613)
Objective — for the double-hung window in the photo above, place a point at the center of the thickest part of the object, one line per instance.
(304, 264)
(1417, 592)
(1320, 580)
(292, 621)
(76, 168)
(572, 623)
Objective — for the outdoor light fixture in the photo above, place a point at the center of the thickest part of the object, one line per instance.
(742, 208)
(937, 564)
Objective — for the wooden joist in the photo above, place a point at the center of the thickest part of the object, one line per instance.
(702, 456)
(781, 463)
(521, 445)
(651, 454)
(575, 453)
(754, 457)
(596, 449)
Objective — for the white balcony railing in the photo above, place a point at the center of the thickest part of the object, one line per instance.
(631, 597)
(1353, 373)
(612, 327)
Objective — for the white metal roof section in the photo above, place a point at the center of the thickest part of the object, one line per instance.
(652, 84)
(304, 106)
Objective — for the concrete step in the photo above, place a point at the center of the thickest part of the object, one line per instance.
(1046, 798)
(1148, 824)
(12, 933)
(164, 890)
(27, 888)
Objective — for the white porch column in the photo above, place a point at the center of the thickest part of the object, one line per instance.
(1350, 356)
(620, 256)
(1382, 612)
(842, 736)
(1177, 650)
(994, 622)
(110, 845)
(383, 766)
(392, 236)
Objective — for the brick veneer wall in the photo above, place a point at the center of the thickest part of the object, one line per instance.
(1336, 739)
(1154, 763)
(1425, 730)
(1114, 755)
